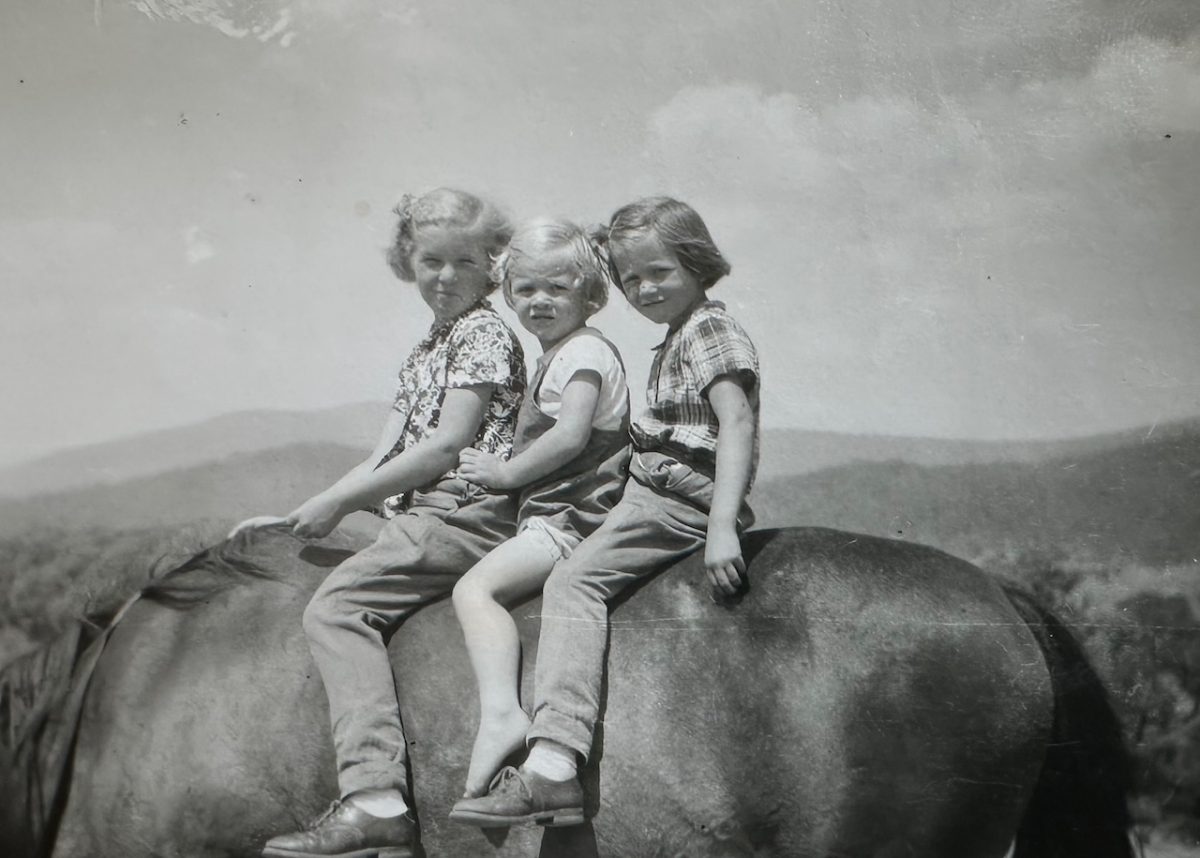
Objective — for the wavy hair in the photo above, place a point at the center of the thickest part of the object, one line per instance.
(445, 207)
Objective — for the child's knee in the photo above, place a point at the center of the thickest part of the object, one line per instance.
(468, 593)
(564, 584)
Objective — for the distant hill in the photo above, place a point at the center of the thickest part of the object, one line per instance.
(797, 451)
(233, 488)
(1140, 499)
(1135, 493)
(166, 450)
(784, 451)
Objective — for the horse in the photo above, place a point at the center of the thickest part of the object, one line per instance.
(865, 697)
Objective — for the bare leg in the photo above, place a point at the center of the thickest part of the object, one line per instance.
(513, 570)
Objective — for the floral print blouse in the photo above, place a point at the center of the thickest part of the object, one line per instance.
(475, 348)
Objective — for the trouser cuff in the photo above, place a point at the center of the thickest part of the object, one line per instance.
(373, 775)
(564, 729)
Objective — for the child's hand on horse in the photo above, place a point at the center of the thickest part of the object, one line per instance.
(316, 517)
(483, 469)
(723, 560)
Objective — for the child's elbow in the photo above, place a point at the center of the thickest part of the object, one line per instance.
(575, 442)
(567, 438)
(446, 449)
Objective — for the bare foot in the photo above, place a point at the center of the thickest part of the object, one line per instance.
(496, 739)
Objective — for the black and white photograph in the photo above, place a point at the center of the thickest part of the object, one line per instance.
(662, 429)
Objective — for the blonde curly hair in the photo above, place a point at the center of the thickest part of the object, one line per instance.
(445, 207)
(542, 235)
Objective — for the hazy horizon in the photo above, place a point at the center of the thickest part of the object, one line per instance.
(787, 451)
(369, 431)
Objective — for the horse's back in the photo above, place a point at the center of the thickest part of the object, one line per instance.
(855, 701)
(863, 692)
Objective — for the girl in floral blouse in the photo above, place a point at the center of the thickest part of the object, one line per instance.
(460, 388)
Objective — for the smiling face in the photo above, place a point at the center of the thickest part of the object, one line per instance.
(548, 295)
(653, 279)
(452, 270)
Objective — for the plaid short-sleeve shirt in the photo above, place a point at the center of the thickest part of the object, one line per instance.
(679, 419)
(475, 348)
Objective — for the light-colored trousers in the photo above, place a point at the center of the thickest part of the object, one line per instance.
(662, 517)
(416, 559)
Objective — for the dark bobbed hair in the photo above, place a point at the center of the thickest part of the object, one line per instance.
(543, 235)
(445, 207)
(679, 227)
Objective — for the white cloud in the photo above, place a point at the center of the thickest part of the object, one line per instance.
(234, 18)
(916, 246)
(268, 20)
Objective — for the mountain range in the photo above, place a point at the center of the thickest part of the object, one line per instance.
(1134, 493)
(160, 451)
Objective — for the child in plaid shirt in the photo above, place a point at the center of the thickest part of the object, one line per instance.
(695, 453)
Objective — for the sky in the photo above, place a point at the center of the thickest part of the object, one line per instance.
(968, 219)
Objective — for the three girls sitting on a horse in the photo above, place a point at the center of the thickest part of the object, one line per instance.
(493, 488)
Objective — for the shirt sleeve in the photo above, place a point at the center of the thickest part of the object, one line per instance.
(719, 346)
(583, 352)
(587, 353)
(483, 352)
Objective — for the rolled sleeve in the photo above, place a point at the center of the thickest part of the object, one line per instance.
(720, 347)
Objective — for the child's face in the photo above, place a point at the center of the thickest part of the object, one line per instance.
(653, 279)
(548, 296)
(452, 270)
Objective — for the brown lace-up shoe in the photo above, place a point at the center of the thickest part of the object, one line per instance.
(522, 798)
(347, 831)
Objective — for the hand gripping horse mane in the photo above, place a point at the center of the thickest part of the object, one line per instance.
(867, 698)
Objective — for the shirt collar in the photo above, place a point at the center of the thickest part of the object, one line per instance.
(703, 305)
(440, 329)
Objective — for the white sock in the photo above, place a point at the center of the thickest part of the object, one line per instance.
(551, 760)
(383, 803)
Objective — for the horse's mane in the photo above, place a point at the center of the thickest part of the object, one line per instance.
(32, 683)
(42, 691)
(206, 573)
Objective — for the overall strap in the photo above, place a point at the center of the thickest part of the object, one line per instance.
(549, 356)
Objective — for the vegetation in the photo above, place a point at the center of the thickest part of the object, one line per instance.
(1141, 627)
(56, 576)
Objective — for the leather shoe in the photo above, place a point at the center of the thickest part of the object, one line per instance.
(348, 831)
(522, 798)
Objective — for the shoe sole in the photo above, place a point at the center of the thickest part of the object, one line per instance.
(373, 852)
(561, 818)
